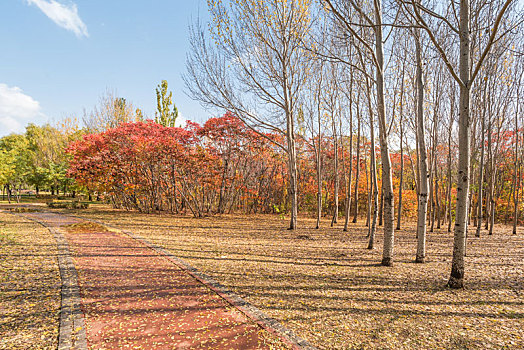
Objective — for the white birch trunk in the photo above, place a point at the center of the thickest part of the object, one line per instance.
(456, 279)
(422, 164)
(387, 182)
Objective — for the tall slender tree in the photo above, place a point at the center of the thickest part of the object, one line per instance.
(165, 114)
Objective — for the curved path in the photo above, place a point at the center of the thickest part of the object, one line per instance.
(134, 297)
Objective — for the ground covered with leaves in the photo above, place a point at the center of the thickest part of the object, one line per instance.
(29, 285)
(329, 289)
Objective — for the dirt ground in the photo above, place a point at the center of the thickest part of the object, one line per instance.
(29, 285)
(329, 289)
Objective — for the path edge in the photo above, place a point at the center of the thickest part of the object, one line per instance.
(71, 327)
(259, 317)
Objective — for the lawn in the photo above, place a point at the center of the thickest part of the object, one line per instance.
(29, 285)
(329, 289)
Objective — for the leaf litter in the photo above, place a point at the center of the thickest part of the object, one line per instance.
(29, 285)
(332, 291)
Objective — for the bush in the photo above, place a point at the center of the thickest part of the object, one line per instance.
(68, 204)
(23, 210)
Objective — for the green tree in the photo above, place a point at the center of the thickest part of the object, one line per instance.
(15, 171)
(7, 170)
(165, 115)
(46, 152)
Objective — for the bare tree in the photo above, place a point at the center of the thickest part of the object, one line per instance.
(467, 72)
(357, 172)
(516, 181)
(255, 66)
(350, 171)
(312, 108)
(422, 159)
(342, 12)
(109, 113)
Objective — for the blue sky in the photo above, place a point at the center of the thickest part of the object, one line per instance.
(58, 57)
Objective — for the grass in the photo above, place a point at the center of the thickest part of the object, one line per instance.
(29, 285)
(329, 289)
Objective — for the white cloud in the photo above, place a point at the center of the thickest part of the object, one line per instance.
(64, 15)
(16, 109)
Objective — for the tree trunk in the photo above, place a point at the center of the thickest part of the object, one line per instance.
(431, 219)
(373, 226)
(456, 279)
(437, 199)
(319, 180)
(221, 204)
(422, 164)
(516, 178)
(8, 190)
(450, 217)
(369, 183)
(492, 209)
(348, 188)
(431, 200)
(516, 201)
(489, 203)
(481, 176)
(401, 182)
(387, 181)
(381, 209)
(357, 174)
(334, 219)
(292, 168)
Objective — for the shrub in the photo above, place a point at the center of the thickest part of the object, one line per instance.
(68, 204)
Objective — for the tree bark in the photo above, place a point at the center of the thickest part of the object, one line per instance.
(401, 182)
(437, 199)
(450, 218)
(319, 182)
(516, 178)
(387, 181)
(433, 182)
(369, 183)
(348, 196)
(456, 279)
(381, 209)
(334, 219)
(292, 168)
(373, 226)
(357, 174)
(481, 176)
(422, 164)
